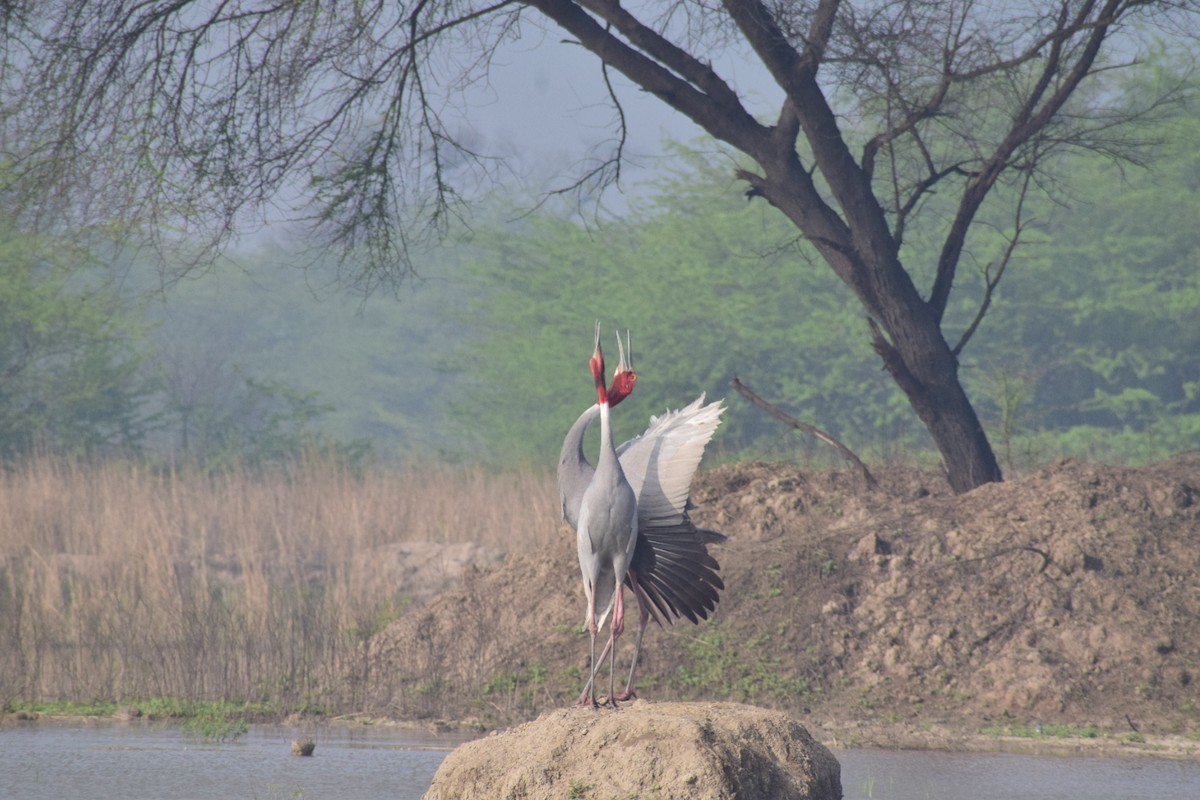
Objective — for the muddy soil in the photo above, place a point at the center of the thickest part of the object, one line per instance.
(670, 751)
(1066, 600)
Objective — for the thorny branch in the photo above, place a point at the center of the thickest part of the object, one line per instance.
(990, 280)
(787, 419)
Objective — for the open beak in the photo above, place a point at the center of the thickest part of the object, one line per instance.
(623, 377)
(625, 363)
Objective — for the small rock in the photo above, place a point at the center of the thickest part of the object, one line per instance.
(303, 747)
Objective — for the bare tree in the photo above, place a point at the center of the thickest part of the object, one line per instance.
(186, 115)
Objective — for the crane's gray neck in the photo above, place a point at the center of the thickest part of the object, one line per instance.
(574, 470)
(608, 462)
(572, 454)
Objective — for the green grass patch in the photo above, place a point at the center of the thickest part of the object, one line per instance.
(65, 708)
(218, 720)
(1039, 731)
(737, 670)
(579, 790)
(507, 683)
(215, 725)
(511, 694)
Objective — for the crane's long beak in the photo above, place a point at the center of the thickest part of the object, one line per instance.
(597, 364)
(625, 363)
(623, 377)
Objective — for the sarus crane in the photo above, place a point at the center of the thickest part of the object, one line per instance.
(605, 537)
(671, 573)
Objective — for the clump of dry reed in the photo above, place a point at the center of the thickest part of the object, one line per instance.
(120, 581)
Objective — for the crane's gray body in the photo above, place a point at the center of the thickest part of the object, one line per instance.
(607, 528)
(670, 559)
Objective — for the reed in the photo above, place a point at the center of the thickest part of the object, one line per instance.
(120, 581)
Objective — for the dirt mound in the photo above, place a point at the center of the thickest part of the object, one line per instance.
(667, 750)
(1067, 596)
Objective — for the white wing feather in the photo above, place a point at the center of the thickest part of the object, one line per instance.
(660, 463)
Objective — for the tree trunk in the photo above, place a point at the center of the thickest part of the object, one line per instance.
(842, 218)
(906, 332)
(929, 378)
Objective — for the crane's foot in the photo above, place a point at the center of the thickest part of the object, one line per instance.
(625, 696)
(587, 700)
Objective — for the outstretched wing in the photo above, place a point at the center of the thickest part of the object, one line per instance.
(671, 561)
(660, 463)
(676, 572)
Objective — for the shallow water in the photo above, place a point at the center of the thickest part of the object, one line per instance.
(913, 775)
(113, 761)
(132, 761)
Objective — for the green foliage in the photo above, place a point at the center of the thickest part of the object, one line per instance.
(72, 358)
(1096, 344)
(87, 370)
(264, 358)
(711, 286)
(266, 421)
(1090, 346)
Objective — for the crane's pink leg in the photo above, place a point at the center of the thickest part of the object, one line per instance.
(603, 655)
(588, 698)
(615, 627)
(618, 618)
(643, 621)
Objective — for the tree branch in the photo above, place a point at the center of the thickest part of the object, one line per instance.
(608, 170)
(845, 452)
(1028, 122)
(658, 47)
(699, 94)
(990, 282)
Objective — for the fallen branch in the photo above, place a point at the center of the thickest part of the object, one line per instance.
(787, 419)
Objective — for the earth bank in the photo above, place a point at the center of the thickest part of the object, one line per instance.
(698, 751)
(1066, 600)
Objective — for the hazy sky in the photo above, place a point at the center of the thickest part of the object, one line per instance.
(546, 104)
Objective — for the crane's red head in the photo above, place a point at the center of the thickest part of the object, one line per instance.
(624, 378)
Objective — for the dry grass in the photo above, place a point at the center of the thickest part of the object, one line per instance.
(118, 581)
